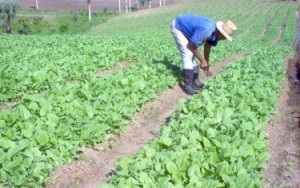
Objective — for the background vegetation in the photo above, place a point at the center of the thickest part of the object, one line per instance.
(28, 22)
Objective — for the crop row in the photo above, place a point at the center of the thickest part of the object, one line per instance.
(41, 62)
(216, 139)
(30, 70)
(160, 21)
(275, 24)
(44, 131)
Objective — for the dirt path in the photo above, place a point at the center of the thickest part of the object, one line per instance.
(284, 133)
(95, 165)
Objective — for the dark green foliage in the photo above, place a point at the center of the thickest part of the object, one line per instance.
(23, 25)
(63, 28)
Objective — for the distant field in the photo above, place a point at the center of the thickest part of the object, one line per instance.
(79, 4)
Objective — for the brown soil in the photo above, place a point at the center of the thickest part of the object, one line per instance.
(284, 133)
(8, 105)
(95, 165)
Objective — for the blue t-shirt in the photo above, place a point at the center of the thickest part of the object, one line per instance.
(197, 29)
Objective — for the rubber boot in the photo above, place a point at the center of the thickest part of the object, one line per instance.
(197, 84)
(188, 80)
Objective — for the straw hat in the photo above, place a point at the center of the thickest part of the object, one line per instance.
(227, 28)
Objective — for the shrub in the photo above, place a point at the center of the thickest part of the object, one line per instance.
(23, 25)
(64, 27)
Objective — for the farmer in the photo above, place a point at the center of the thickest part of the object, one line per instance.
(190, 32)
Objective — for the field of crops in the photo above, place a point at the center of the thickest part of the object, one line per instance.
(55, 101)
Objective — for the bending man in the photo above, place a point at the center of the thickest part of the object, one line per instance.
(190, 31)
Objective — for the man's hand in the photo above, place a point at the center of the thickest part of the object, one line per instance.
(204, 65)
(204, 68)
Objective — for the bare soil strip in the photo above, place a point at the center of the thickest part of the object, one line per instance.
(8, 105)
(284, 143)
(95, 165)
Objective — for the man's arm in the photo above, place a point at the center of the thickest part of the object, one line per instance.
(207, 48)
(197, 54)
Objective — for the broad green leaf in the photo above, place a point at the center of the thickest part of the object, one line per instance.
(211, 133)
(33, 106)
(42, 138)
(150, 152)
(206, 142)
(264, 156)
(27, 133)
(24, 112)
(171, 167)
(2, 123)
(166, 141)
(16, 148)
(53, 117)
(194, 171)
(5, 143)
(222, 168)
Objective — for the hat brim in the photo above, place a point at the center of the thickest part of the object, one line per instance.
(220, 28)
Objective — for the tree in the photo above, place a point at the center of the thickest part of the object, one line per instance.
(8, 12)
(90, 9)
